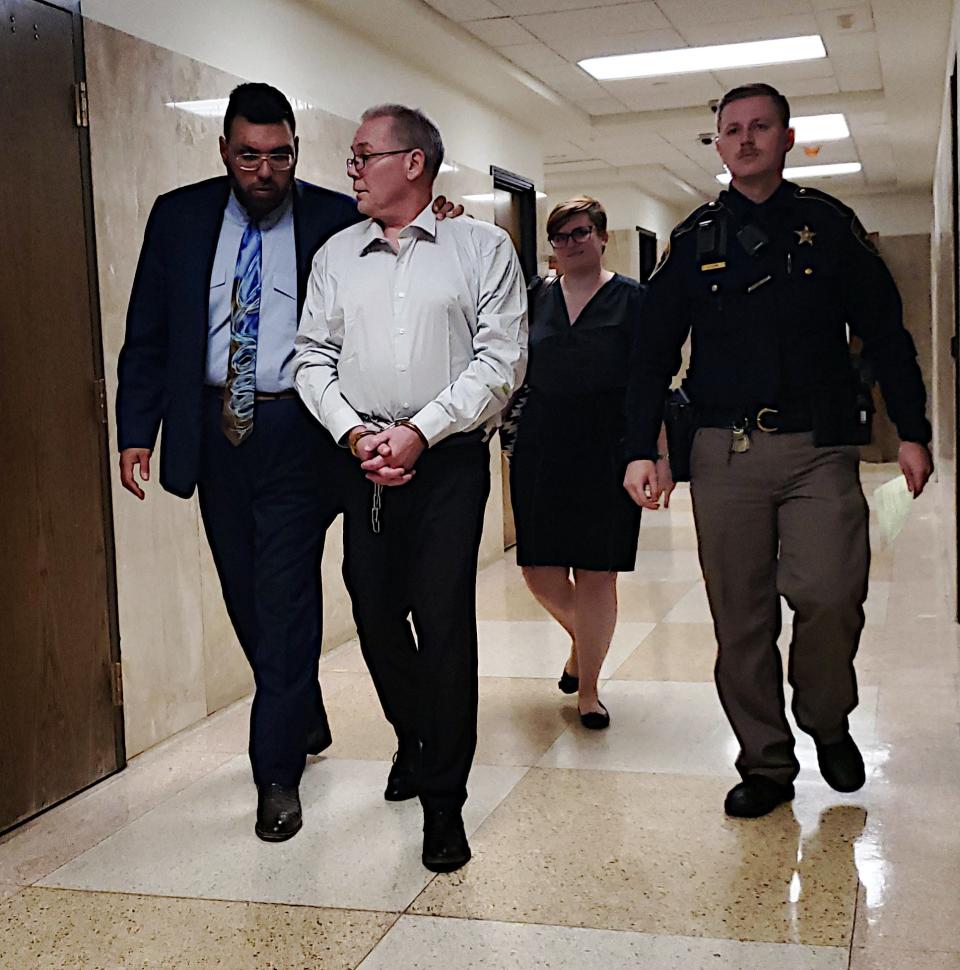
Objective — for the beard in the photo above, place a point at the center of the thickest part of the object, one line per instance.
(260, 204)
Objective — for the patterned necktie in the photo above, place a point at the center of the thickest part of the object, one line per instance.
(240, 390)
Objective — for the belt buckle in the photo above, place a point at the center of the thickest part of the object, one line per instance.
(759, 419)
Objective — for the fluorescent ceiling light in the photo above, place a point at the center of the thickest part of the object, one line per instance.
(695, 60)
(488, 197)
(216, 107)
(817, 128)
(447, 167)
(809, 171)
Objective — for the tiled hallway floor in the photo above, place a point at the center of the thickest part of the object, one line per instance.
(591, 850)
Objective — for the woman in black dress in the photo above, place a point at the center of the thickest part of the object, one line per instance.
(572, 513)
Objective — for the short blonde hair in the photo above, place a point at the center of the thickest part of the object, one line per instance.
(574, 207)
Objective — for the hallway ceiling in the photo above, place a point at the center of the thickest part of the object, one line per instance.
(885, 70)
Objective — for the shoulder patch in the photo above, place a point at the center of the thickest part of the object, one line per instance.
(691, 221)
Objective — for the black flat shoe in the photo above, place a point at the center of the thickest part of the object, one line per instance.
(841, 765)
(403, 780)
(596, 720)
(319, 739)
(568, 683)
(445, 846)
(755, 796)
(279, 816)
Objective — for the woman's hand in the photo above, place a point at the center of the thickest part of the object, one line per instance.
(643, 484)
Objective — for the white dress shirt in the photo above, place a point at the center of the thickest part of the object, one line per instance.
(435, 333)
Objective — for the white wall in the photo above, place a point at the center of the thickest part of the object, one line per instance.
(904, 214)
(295, 46)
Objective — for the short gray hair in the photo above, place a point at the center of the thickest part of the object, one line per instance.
(414, 130)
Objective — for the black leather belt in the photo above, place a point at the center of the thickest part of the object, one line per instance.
(769, 419)
(217, 391)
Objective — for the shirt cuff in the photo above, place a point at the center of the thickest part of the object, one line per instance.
(434, 422)
(341, 420)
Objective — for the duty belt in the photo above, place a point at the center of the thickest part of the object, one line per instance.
(769, 419)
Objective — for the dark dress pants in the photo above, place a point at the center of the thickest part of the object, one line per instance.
(423, 566)
(266, 505)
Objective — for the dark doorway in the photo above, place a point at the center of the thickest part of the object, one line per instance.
(648, 253)
(515, 210)
(61, 723)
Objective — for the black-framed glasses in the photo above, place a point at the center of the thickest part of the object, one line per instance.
(560, 239)
(358, 162)
(251, 161)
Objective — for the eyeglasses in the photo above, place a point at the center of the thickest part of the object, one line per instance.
(358, 162)
(251, 161)
(560, 239)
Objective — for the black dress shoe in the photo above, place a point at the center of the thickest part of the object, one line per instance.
(319, 738)
(403, 780)
(596, 720)
(445, 846)
(279, 816)
(568, 683)
(841, 765)
(755, 796)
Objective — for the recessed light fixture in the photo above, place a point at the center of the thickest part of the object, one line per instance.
(809, 171)
(216, 107)
(817, 128)
(697, 60)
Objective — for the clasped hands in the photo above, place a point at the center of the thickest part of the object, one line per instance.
(387, 457)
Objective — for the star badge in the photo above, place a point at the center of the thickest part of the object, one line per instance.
(805, 235)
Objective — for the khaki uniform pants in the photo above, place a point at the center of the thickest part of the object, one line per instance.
(784, 518)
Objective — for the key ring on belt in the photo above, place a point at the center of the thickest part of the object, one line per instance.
(758, 421)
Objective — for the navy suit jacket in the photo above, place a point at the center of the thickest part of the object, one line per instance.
(162, 365)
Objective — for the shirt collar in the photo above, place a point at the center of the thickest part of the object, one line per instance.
(741, 203)
(236, 213)
(424, 226)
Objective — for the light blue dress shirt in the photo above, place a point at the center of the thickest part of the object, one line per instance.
(278, 298)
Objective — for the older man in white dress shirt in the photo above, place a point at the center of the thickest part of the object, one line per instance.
(412, 340)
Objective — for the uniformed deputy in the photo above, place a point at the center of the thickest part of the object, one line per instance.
(768, 278)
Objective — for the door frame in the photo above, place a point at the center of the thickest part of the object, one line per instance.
(526, 195)
(955, 338)
(98, 392)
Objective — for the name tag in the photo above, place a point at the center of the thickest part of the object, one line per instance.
(709, 266)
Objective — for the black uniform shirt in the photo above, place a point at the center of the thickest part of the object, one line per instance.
(769, 321)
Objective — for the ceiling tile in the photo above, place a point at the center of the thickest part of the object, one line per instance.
(858, 72)
(596, 22)
(691, 13)
(499, 32)
(850, 42)
(571, 82)
(520, 7)
(602, 106)
(779, 75)
(533, 57)
(851, 19)
(804, 87)
(460, 10)
(757, 28)
(576, 47)
(692, 90)
(581, 165)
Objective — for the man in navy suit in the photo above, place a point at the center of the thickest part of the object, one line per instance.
(233, 427)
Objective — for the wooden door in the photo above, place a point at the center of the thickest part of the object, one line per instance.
(61, 725)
